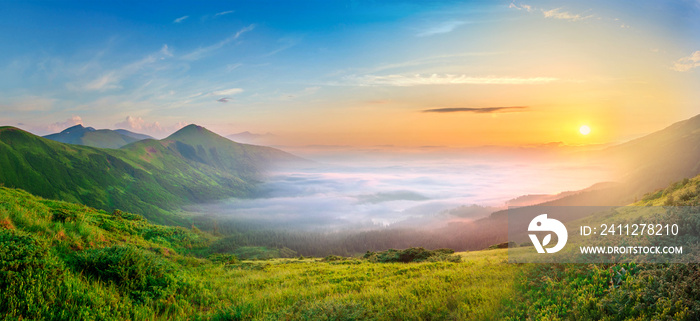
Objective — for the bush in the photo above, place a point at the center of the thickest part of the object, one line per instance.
(141, 275)
(27, 273)
(413, 254)
(333, 258)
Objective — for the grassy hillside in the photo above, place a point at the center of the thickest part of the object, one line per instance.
(660, 158)
(65, 261)
(625, 291)
(60, 260)
(149, 177)
(199, 146)
(101, 138)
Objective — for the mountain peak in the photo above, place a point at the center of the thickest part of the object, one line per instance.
(77, 128)
(190, 131)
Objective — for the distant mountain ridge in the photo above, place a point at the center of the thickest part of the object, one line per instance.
(660, 158)
(101, 138)
(247, 137)
(151, 177)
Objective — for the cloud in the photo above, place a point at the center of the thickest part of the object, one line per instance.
(227, 92)
(232, 67)
(223, 13)
(484, 110)
(521, 7)
(140, 125)
(563, 15)
(103, 82)
(444, 27)
(166, 51)
(203, 51)
(446, 79)
(687, 63)
(286, 44)
(111, 79)
(181, 19)
(70, 122)
(224, 100)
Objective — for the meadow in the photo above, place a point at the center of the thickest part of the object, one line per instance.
(64, 261)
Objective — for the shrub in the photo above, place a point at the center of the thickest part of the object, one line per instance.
(140, 274)
(27, 271)
(333, 258)
(413, 254)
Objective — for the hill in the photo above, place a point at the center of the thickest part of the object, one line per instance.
(251, 138)
(102, 138)
(66, 261)
(660, 158)
(201, 146)
(150, 177)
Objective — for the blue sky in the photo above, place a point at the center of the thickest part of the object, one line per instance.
(353, 72)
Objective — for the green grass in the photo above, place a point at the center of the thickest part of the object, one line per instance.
(621, 291)
(358, 289)
(63, 261)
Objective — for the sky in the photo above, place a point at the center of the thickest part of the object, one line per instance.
(354, 73)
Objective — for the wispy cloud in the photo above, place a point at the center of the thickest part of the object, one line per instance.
(444, 27)
(227, 92)
(445, 79)
(166, 51)
(70, 122)
(432, 60)
(181, 19)
(484, 110)
(223, 13)
(521, 7)
(155, 129)
(224, 100)
(687, 63)
(563, 15)
(286, 43)
(111, 79)
(203, 51)
(101, 83)
(232, 67)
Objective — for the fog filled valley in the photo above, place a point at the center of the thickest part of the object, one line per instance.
(416, 198)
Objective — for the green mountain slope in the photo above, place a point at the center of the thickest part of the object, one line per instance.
(660, 158)
(150, 177)
(62, 261)
(102, 138)
(201, 147)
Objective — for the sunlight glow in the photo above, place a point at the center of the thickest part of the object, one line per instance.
(584, 130)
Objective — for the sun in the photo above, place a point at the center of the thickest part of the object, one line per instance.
(584, 130)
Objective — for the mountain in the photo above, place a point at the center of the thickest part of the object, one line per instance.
(150, 177)
(200, 147)
(645, 164)
(660, 158)
(102, 138)
(251, 138)
(534, 199)
(137, 136)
